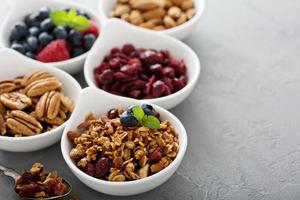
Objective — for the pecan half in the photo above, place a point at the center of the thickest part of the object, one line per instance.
(7, 86)
(67, 103)
(2, 125)
(40, 87)
(22, 123)
(48, 105)
(2, 108)
(35, 76)
(15, 100)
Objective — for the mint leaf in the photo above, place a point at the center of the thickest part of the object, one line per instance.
(71, 19)
(59, 18)
(71, 13)
(152, 122)
(138, 113)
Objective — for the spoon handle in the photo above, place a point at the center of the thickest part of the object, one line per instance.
(10, 172)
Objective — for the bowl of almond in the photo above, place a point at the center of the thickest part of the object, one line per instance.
(177, 18)
(36, 100)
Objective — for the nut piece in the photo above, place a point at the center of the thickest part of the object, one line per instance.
(190, 13)
(48, 105)
(185, 5)
(23, 123)
(7, 86)
(15, 100)
(155, 13)
(39, 87)
(174, 12)
(67, 103)
(121, 10)
(34, 77)
(182, 19)
(135, 17)
(2, 125)
(169, 22)
(144, 4)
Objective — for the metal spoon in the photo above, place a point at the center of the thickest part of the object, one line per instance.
(15, 175)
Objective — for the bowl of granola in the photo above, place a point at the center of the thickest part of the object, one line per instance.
(122, 147)
(35, 102)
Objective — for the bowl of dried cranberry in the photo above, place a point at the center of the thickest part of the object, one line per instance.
(56, 32)
(119, 149)
(152, 67)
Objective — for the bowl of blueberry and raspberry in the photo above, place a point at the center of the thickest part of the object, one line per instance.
(52, 32)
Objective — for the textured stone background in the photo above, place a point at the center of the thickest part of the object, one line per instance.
(243, 117)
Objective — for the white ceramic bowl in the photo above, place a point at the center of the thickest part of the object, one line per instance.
(21, 8)
(99, 102)
(180, 32)
(14, 64)
(117, 33)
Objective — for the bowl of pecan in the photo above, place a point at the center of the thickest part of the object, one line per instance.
(153, 67)
(177, 18)
(56, 32)
(35, 102)
(122, 147)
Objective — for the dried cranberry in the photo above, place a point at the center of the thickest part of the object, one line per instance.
(135, 94)
(114, 63)
(102, 167)
(177, 84)
(25, 178)
(151, 57)
(128, 49)
(158, 88)
(155, 155)
(29, 190)
(115, 50)
(112, 113)
(169, 71)
(120, 76)
(157, 69)
(130, 69)
(56, 188)
(90, 169)
(133, 85)
(140, 73)
(106, 77)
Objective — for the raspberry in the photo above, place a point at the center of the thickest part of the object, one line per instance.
(93, 29)
(55, 51)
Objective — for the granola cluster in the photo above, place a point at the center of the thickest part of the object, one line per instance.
(37, 183)
(105, 149)
(32, 104)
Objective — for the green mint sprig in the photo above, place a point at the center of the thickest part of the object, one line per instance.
(71, 19)
(149, 121)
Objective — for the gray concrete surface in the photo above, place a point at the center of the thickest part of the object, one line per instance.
(242, 119)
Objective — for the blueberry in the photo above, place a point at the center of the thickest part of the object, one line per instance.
(75, 37)
(128, 120)
(148, 109)
(18, 47)
(47, 25)
(32, 43)
(60, 33)
(88, 41)
(19, 31)
(45, 38)
(33, 20)
(77, 51)
(34, 31)
(44, 12)
(30, 55)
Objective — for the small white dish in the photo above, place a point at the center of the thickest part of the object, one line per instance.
(21, 8)
(117, 33)
(182, 31)
(14, 64)
(99, 102)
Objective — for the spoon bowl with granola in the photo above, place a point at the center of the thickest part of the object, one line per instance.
(122, 147)
(37, 183)
(35, 102)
